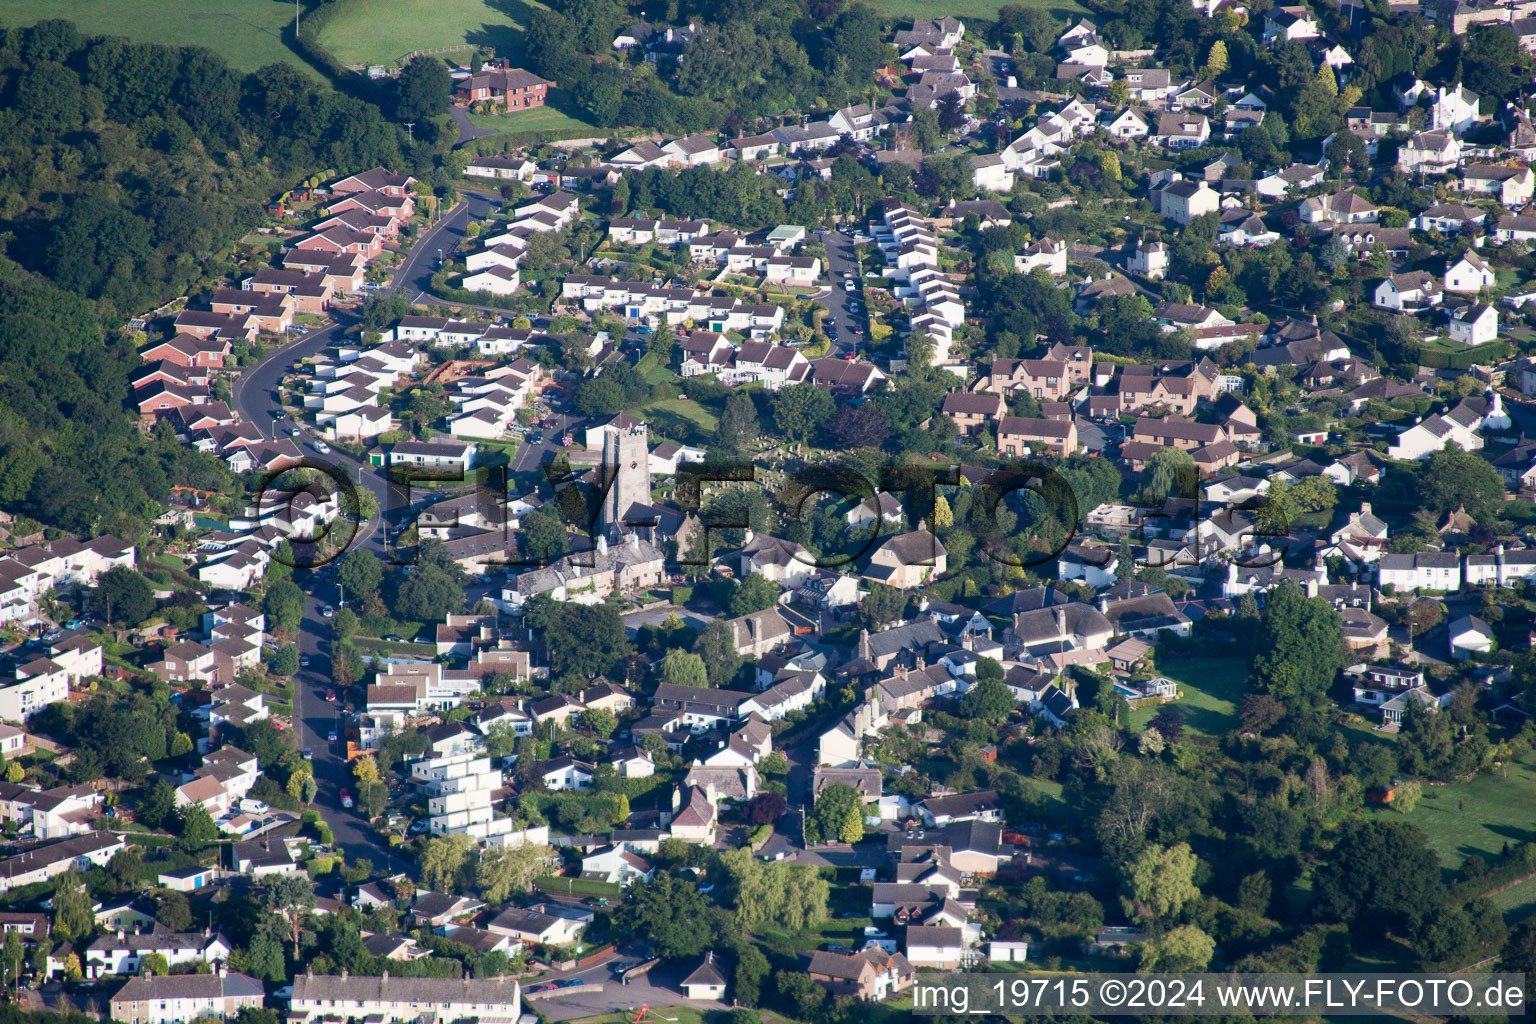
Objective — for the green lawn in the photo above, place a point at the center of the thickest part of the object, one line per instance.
(383, 31)
(579, 887)
(970, 9)
(669, 411)
(1478, 816)
(1211, 689)
(246, 33)
(539, 119)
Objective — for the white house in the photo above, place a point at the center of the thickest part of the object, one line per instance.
(1427, 570)
(1477, 324)
(1469, 274)
(1409, 292)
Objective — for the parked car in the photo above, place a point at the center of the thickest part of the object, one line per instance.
(570, 983)
(322, 448)
(346, 799)
(331, 736)
(309, 755)
(328, 611)
(304, 661)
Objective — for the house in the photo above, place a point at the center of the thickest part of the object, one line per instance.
(1469, 274)
(908, 560)
(553, 924)
(1512, 185)
(616, 866)
(871, 974)
(940, 946)
(391, 1000)
(1046, 254)
(1022, 435)
(181, 998)
(1345, 207)
(122, 952)
(973, 412)
(705, 981)
(503, 87)
(1432, 152)
(1427, 570)
(1184, 200)
(1476, 324)
(1408, 292)
(1150, 260)
(1469, 636)
(1184, 130)
(1459, 426)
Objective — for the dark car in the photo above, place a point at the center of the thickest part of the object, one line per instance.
(570, 983)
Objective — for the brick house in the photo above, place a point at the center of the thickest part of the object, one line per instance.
(505, 88)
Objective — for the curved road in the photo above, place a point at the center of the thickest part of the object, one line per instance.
(255, 398)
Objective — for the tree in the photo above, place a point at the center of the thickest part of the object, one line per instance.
(683, 668)
(766, 808)
(1406, 796)
(73, 917)
(1185, 948)
(1166, 473)
(1160, 881)
(717, 647)
(506, 870)
(1300, 648)
(423, 90)
(1380, 874)
(800, 410)
(14, 772)
(600, 396)
(13, 957)
(924, 127)
(881, 605)
(158, 805)
(286, 661)
(753, 594)
(840, 813)
(197, 828)
(738, 422)
(1215, 61)
(774, 895)
(291, 898)
(443, 862)
(1452, 478)
(670, 912)
(951, 112)
(583, 640)
(428, 593)
(125, 868)
(751, 968)
(362, 576)
(989, 700)
(124, 596)
(154, 965)
(284, 605)
(600, 721)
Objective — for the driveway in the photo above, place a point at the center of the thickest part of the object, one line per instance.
(659, 987)
(656, 616)
(467, 132)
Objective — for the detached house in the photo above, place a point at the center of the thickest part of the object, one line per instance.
(1408, 293)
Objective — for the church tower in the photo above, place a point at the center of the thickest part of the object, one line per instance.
(627, 457)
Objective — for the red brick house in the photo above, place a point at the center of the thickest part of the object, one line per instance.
(505, 88)
(189, 350)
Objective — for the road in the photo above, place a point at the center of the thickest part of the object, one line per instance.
(531, 456)
(843, 265)
(255, 398)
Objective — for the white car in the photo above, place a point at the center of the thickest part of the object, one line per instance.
(250, 806)
(848, 287)
(328, 611)
(322, 448)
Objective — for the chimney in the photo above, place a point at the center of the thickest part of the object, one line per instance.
(1061, 622)
(343, 974)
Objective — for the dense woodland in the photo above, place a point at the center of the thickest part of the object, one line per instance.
(126, 173)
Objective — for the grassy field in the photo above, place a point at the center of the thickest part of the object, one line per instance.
(383, 31)
(1478, 816)
(1211, 688)
(246, 33)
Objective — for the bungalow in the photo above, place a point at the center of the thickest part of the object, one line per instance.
(1408, 292)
